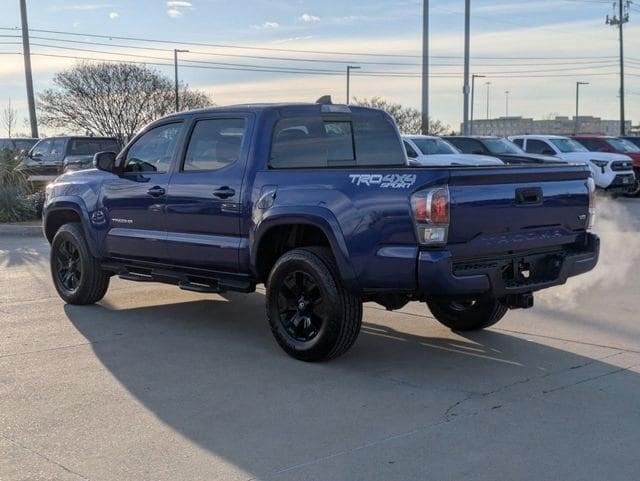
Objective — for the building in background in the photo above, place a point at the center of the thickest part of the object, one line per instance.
(560, 125)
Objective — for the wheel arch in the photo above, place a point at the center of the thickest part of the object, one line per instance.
(280, 232)
(65, 211)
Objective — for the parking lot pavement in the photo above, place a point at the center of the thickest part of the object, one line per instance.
(156, 383)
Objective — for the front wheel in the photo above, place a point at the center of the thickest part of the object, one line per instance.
(312, 316)
(467, 314)
(77, 275)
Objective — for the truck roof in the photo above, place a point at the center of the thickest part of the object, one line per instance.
(292, 107)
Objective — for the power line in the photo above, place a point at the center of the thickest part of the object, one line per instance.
(258, 57)
(320, 73)
(315, 52)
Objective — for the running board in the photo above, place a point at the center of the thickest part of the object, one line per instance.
(204, 283)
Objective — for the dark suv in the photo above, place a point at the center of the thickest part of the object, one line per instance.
(17, 144)
(52, 156)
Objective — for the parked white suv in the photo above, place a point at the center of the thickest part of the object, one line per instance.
(432, 150)
(613, 172)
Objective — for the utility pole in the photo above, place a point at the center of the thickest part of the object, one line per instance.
(577, 119)
(176, 51)
(619, 21)
(26, 53)
(349, 69)
(488, 84)
(506, 94)
(425, 67)
(473, 96)
(465, 88)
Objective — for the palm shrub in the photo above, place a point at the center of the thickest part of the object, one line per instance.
(15, 204)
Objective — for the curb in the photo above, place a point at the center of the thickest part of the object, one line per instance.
(21, 230)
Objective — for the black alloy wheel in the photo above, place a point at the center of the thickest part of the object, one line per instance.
(301, 306)
(68, 266)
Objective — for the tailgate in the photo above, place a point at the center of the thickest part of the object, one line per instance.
(515, 209)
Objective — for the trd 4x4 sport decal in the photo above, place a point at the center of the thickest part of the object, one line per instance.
(384, 181)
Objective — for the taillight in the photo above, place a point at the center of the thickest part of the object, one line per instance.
(431, 214)
(591, 187)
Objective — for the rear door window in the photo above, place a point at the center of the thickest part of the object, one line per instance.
(214, 144)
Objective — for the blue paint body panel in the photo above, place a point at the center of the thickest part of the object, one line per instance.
(369, 227)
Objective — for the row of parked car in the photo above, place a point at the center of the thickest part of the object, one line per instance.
(614, 162)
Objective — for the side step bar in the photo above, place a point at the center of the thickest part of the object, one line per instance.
(203, 283)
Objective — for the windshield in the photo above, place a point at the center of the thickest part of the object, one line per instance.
(434, 146)
(92, 146)
(621, 145)
(568, 145)
(502, 146)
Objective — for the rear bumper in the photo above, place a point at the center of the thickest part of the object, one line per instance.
(440, 275)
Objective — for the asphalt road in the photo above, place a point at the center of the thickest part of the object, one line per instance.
(160, 384)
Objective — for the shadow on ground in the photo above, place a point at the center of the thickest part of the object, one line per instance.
(211, 371)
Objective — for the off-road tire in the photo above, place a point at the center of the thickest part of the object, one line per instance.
(92, 283)
(342, 311)
(467, 315)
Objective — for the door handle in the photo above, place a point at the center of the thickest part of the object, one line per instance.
(156, 191)
(529, 196)
(224, 192)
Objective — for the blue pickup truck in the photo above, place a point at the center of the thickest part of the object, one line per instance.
(317, 202)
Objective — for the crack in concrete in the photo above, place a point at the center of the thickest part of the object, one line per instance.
(46, 458)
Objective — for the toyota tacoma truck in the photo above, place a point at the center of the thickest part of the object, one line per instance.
(317, 202)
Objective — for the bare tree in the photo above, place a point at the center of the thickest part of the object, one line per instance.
(409, 120)
(9, 118)
(113, 99)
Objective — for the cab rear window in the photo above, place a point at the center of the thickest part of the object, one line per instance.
(91, 146)
(355, 140)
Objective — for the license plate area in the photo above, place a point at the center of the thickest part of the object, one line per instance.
(531, 270)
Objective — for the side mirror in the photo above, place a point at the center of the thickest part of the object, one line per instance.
(35, 156)
(548, 152)
(104, 161)
(412, 155)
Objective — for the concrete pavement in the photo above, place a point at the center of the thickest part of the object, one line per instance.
(159, 384)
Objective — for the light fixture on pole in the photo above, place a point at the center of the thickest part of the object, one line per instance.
(577, 119)
(473, 96)
(349, 69)
(176, 51)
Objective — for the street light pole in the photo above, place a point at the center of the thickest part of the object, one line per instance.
(488, 84)
(506, 93)
(176, 51)
(618, 21)
(577, 119)
(26, 53)
(349, 69)
(473, 96)
(467, 47)
(425, 67)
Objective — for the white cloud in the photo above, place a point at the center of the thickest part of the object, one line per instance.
(176, 8)
(266, 26)
(179, 4)
(114, 15)
(306, 18)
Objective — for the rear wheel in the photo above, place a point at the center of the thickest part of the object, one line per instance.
(77, 275)
(312, 316)
(467, 314)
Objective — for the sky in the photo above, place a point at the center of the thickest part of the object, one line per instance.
(537, 50)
